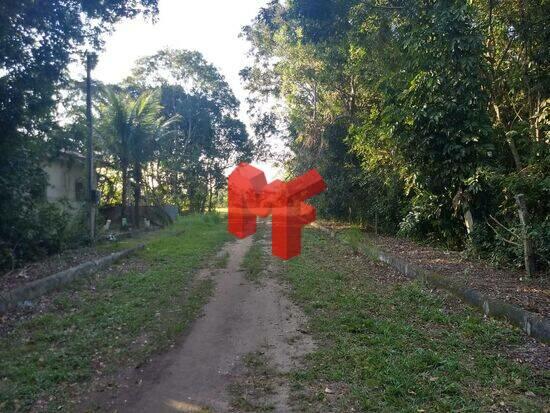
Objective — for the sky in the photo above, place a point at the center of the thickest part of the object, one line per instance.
(211, 27)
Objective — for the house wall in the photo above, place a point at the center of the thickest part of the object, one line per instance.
(66, 181)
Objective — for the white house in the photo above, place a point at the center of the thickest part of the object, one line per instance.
(66, 179)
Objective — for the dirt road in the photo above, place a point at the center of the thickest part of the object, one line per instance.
(243, 319)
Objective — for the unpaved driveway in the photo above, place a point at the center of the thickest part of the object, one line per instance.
(242, 318)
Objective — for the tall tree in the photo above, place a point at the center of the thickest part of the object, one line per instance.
(131, 129)
(149, 127)
(428, 116)
(115, 127)
(207, 137)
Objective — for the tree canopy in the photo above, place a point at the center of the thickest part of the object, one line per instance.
(38, 39)
(427, 118)
(207, 136)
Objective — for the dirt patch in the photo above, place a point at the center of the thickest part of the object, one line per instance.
(505, 284)
(255, 391)
(263, 383)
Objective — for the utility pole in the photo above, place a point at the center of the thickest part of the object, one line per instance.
(92, 193)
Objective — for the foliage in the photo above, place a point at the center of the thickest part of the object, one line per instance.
(417, 113)
(41, 230)
(353, 237)
(38, 39)
(131, 131)
(169, 131)
(206, 135)
(38, 231)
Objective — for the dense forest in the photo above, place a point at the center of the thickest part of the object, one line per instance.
(427, 119)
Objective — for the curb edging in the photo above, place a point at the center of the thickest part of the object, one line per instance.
(44, 285)
(532, 324)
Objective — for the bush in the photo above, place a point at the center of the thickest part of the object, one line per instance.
(353, 237)
(212, 217)
(39, 230)
(430, 219)
(32, 233)
(485, 244)
(76, 231)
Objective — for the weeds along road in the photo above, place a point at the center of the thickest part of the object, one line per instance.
(200, 321)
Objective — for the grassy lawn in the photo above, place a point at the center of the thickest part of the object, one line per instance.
(110, 321)
(389, 345)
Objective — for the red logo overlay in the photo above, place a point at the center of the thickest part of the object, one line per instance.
(250, 196)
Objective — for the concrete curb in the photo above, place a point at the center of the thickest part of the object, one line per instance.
(129, 234)
(533, 324)
(40, 287)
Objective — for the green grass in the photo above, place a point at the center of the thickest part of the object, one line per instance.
(117, 320)
(395, 347)
(354, 237)
(255, 258)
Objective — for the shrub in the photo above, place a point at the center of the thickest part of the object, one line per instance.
(353, 237)
(32, 233)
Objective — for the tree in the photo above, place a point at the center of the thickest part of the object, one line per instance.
(207, 135)
(428, 116)
(441, 126)
(131, 130)
(148, 128)
(517, 34)
(37, 42)
(38, 39)
(115, 126)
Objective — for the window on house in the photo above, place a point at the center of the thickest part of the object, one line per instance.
(79, 191)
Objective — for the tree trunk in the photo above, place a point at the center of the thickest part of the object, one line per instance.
(523, 213)
(498, 93)
(191, 197)
(137, 193)
(202, 205)
(515, 153)
(529, 252)
(90, 156)
(124, 202)
(509, 140)
(210, 199)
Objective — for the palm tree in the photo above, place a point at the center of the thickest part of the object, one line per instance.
(149, 128)
(131, 129)
(115, 129)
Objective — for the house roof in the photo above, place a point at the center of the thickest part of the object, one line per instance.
(71, 154)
